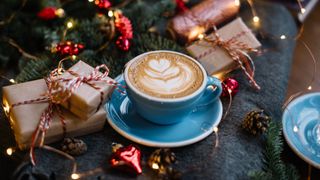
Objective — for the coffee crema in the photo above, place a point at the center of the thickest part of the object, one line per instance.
(165, 75)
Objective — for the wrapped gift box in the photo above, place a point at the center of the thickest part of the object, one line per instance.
(214, 58)
(186, 26)
(25, 118)
(85, 100)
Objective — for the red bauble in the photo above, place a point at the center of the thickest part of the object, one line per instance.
(69, 48)
(127, 158)
(123, 43)
(102, 4)
(230, 86)
(181, 7)
(48, 13)
(124, 26)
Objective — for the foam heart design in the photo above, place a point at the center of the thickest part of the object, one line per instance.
(165, 76)
(159, 65)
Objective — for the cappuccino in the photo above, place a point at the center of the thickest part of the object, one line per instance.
(165, 75)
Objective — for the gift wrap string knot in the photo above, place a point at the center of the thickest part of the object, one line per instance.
(71, 84)
(237, 50)
(58, 94)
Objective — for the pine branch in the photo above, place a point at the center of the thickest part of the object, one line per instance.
(275, 168)
(35, 69)
(150, 42)
(145, 13)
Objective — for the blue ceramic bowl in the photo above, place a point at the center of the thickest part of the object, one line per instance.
(301, 127)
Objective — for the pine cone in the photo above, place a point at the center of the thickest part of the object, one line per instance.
(256, 122)
(73, 146)
(161, 161)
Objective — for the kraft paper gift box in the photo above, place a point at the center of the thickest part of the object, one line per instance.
(24, 119)
(85, 100)
(186, 26)
(218, 61)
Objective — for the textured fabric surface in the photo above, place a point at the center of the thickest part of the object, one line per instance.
(237, 153)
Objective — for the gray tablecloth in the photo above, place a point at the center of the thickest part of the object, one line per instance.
(237, 153)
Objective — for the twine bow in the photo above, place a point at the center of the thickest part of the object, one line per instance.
(58, 94)
(237, 50)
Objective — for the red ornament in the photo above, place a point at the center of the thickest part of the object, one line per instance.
(181, 6)
(123, 43)
(48, 13)
(102, 4)
(69, 48)
(230, 86)
(129, 157)
(124, 26)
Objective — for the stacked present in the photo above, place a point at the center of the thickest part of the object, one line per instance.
(72, 107)
(219, 51)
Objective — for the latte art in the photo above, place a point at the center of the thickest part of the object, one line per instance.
(165, 75)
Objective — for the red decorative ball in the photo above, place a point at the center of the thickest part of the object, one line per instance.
(102, 4)
(124, 26)
(127, 158)
(69, 48)
(230, 85)
(47, 13)
(123, 43)
(181, 6)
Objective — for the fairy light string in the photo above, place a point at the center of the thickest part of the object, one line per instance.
(69, 25)
(308, 88)
(14, 14)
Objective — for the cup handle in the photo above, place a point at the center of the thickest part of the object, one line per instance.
(210, 95)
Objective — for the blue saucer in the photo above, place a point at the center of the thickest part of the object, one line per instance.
(300, 120)
(198, 125)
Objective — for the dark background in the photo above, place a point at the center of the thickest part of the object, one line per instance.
(300, 75)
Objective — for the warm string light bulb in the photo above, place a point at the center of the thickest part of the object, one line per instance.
(69, 25)
(75, 176)
(10, 151)
(303, 10)
(110, 13)
(283, 37)
(155, 166)
(12, 81)
(237, 2)
(90, 0)
(73, 57)
(310, 88)
(200, 36)
(60, 12)
(256, 19)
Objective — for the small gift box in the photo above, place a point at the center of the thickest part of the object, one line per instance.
(215, 59)
(186, 26)
(88, 97)
(24, 119)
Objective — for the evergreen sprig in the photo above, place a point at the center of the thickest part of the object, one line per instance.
(274, 166)
(37, 36)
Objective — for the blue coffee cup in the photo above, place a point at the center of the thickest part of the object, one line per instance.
(166, 111)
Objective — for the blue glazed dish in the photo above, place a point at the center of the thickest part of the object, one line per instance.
(124, 119)
(301, 127)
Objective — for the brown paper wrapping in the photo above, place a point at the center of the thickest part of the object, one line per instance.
(25, 118)
(187, 26)
(85, 100)
(219, 61)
